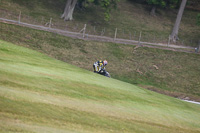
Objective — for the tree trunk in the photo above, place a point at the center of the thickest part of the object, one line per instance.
(69, 9)
(174, 34)
(153, 11)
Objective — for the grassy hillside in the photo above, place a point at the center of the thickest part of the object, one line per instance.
(41, 94)
(172, 73)
(130, 18)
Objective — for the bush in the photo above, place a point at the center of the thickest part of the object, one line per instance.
(198, 19)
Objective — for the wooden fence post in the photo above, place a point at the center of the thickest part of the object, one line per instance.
(115, 34)
(198, 49)
(50, 22)
(140, 38)
(134, 36)
(19, 19)
(84, 29)
(103, 31)
(169, 39)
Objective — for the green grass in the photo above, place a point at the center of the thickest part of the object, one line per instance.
(41, 94)
(177, 73)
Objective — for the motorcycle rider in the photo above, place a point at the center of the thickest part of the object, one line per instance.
(99, 65)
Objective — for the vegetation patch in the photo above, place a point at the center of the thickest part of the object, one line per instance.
(130, 18)
(163, 69)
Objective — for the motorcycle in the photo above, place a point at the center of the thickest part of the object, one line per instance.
(105, 73)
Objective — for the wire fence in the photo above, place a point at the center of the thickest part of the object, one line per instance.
(118, 35)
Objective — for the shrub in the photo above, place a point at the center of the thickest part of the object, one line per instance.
(198, 19)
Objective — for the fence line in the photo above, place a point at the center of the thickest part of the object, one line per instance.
(94, 37)
(93, 32)
(130, 34)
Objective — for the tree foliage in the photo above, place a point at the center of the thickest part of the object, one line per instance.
(163, 3)
(107, 5)
(198, 19)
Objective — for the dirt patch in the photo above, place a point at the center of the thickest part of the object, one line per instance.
(178, 95)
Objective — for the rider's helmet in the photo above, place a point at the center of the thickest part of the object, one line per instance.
(105, 62)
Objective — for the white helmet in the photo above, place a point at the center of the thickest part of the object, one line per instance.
(105, 62)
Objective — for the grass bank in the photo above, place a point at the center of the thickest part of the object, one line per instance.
(41, 94)
(168, 72)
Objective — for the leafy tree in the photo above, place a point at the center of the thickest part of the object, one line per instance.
(70, 5)
(198, 19)
(162, 4)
